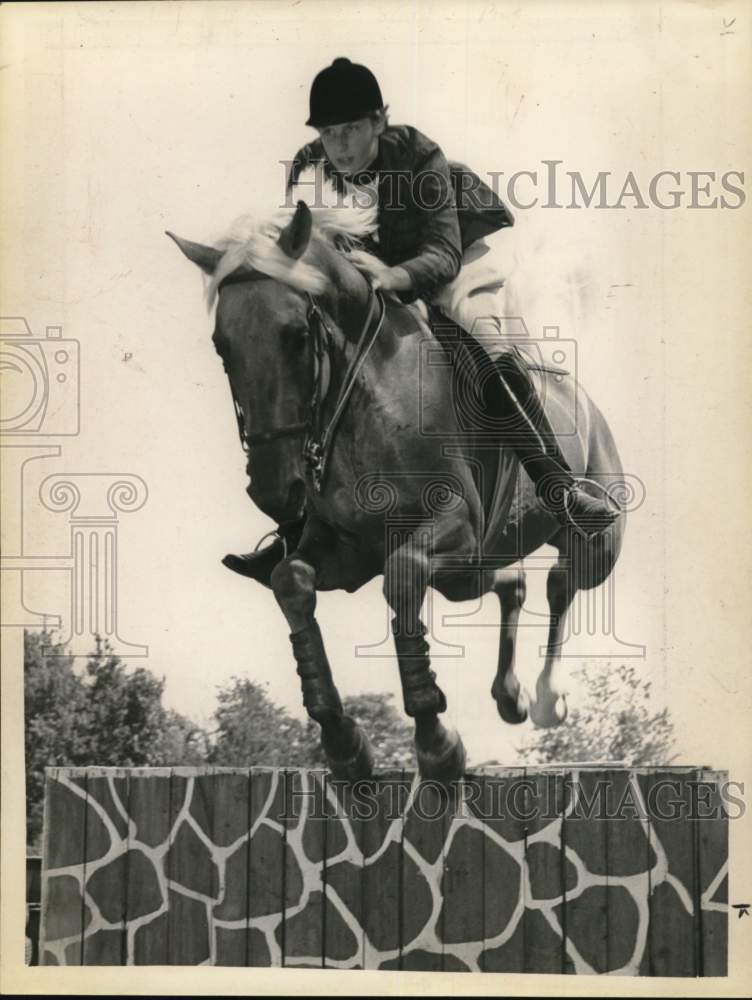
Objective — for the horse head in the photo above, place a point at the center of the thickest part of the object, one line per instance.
(272, 283)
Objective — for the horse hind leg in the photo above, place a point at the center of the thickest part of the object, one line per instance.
(511, 699)
(347, 748)
(549, 705)
(582, 565)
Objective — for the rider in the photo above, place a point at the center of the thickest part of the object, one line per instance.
(433, 248)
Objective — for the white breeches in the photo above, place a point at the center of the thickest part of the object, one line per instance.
(475, 300)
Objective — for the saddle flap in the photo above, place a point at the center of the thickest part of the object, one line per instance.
(477, 413)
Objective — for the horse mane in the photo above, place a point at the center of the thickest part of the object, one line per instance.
(251, 240)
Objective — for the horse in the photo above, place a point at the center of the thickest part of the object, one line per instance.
(344, 420)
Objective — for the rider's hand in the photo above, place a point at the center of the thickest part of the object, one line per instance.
(393, 279)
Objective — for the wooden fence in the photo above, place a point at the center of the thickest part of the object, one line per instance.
(537, 870)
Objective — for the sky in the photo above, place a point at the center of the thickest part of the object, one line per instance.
(132, 119)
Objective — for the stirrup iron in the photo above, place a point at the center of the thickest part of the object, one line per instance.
(577, 482)
(274, 533)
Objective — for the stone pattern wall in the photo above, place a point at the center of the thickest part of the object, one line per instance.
(260, 867)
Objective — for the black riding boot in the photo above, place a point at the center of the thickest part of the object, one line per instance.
(533, 439)
(259, 564)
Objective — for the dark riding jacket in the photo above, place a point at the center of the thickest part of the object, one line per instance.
(429, 210)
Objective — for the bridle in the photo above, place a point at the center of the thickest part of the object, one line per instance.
(318, 438)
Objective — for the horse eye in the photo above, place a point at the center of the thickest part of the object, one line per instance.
(297, 338)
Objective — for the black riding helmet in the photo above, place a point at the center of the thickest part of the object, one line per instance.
(343, 92)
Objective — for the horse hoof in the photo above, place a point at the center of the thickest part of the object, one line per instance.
(445, 766)
(356, 767)
(561, 709)
(549, 714)
(512, 708)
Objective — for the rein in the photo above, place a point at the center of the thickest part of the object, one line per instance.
(318, 441)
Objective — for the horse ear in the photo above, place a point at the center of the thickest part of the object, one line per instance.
(207, 258)
(294, 238)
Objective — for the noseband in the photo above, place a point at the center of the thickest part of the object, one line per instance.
(318, 440)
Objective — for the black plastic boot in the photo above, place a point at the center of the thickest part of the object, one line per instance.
(258, 565)
(528, 431)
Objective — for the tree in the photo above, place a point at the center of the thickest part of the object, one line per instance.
(180, 742)
(252, 730)
(391, 733)
(103, 715)
(126, 723)
(617, 720)
(54, 700)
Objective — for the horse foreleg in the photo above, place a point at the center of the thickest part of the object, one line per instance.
(511, 698)
(549, 706)
(346, 746)
(440, 753)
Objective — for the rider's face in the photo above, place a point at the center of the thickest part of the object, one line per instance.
(352, 146)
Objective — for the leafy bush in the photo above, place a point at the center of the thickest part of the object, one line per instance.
(617, 721)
